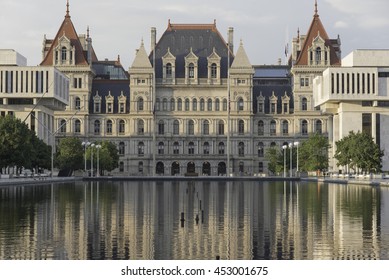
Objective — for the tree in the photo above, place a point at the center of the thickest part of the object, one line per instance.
(108, 156)
(359, 152)
(15, 143)
(313, 153)
(275, 160)
(69, 154)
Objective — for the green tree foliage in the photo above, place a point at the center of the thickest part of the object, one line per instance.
(108, 156)
(359, 152)
(15, 143)
(41, 154)
(70, 154)
(313, 153)
(275, 159)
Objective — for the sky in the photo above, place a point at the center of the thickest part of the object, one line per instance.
(117, 27)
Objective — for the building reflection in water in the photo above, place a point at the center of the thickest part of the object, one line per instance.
(194, 220)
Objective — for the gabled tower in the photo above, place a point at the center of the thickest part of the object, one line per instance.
(312, 54)
(73, 55)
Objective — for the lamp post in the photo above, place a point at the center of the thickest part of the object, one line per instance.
(98, 147)
(291, 160)
(85, 145)
(297, 145)
(91, 159)
(284, 147)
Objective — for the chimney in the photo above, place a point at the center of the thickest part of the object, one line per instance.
(231, 39)
(153, 38)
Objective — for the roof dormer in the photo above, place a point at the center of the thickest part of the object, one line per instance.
(214, 68)
(191, 68)
(169, 68)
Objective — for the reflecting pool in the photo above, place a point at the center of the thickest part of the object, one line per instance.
(194, 220)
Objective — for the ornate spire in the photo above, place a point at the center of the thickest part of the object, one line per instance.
(67, 9)
(316, 14)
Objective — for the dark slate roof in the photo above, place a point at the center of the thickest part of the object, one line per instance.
(115, 87)
(201, 38)
(269, 79)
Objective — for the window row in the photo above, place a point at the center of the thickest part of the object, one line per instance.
(284, 127)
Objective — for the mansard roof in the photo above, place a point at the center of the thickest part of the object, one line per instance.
(68, 31)
(202, 39)
(317, 30)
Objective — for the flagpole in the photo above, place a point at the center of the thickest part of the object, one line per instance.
(154, 117)
(228, 112)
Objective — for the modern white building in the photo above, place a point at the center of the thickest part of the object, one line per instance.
(31, 94)
(356, 95)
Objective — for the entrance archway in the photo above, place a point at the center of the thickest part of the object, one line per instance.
(206, 168)
(191, 168)
(221, 169)
(160, 168)
(175, 168)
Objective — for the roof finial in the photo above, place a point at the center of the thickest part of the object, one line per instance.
(316, 8)
(87, 32)
(67, 9)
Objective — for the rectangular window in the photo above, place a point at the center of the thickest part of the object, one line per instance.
(366, 123)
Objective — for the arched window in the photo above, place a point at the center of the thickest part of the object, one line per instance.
(77, 103)
(176, 148)
(318, 126)
(161, 127)
(176, 127)
(97, 127)
(194, 105)
(121, 148)
(179, 104)
(209, 104)
(241, 127)
(109, 127)
(318, 55)
(140, 167)
(141, 149)
(241, 149)
(191, 127)
(121, 166)
(187, 104)
(141, 127)
(161, 148)
(168, 70)
(172, 104)
(140, 104)
(77, 126)
(122, 127)
(304, 127)
(240, 104)
(191, 71)
(221, 148)
(64, 54)
(191, 148)
(285, 127)
(202, 104)
(217, 104)
(220, 129)
(261, 128)
(304, 104)
(273, 127)
(260, 149)
(62, 126)
(157, 104)
(225, 105)
(206, 148)
(206, 127)
(164, 104)
(213, 71)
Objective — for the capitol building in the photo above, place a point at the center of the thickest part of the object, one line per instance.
(192, 103)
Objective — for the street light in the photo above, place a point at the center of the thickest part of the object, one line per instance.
(291, 159)
(284, 147)
(85, 145)
(91, 159)
(98, 147)
(297, 145)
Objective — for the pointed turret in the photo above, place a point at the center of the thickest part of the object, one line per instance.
(317, 31)
(66, 48)
(141, 60)
(241, 60)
